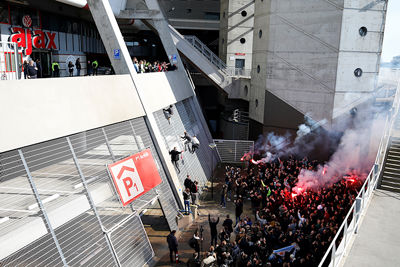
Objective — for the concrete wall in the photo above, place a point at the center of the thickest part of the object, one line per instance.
(43, 109)
(237, 20)
(358, 51)
(161, 89)
(308, 52)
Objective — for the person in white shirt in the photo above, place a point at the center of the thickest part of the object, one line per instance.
(195, 143)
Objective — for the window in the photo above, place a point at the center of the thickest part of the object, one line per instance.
(363, 31)
(358, 72)
(246, 90)
(223, 14)
(258, 68)
(260, 33)
(244, 13)
(4, 14)
(256, 102)
(242, 40)
(211, 15)
(10, 61)
(223, 41)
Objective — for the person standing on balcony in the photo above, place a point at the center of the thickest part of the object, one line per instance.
(71, 69)
(78, 67)
(32, 70)
(89, 68)
(95, 66)
(55, 67)
(39, 68)
(186, 200)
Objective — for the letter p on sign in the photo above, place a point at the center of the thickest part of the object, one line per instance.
(134, 176)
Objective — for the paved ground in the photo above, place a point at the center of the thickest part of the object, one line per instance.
(377, 241)
(157, 231)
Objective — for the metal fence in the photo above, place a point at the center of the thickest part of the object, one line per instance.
(340, 244)
(58, 206)
(10, 61)
(231, 151)
(205, 51)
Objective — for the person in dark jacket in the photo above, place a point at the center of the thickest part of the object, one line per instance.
(31, 71)
(39, 68)
(213, 229)
(188, 183)
(188, 140)
(186, 200)
(238, 209)
(175, 158)
(173, 246)
(78, 67)
(71, 69)
(89, 68)
(25, 67)
(228, 224)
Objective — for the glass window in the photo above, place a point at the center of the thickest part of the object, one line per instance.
(211, 15)
(4, 13)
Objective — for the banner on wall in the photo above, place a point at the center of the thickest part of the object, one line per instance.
(134, 176)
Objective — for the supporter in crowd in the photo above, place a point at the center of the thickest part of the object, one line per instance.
(55, 67)
(89, 68)
(173, 246)
(188, 140)
(31, 70)
(175, 158)
(71, 69)
(186, 200)
(78, 66)
(213, 229)
(39, 68)
(95, 66)
(195, 143)
(223, 196)
(289, 228)
(168, 112)
(144, 66)
(25, 66)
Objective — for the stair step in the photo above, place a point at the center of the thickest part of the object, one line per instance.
(393, 160)
(391, 174)
(388, 188)
(391, 184)
(391, 169)
(394, 165)
(395, 146)
(394, 156)
(390, 179)
(394, 149)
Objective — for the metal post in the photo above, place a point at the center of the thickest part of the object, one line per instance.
(212, 146)
(91, 202)
(42, 209)
(107, 143)
(357, 213)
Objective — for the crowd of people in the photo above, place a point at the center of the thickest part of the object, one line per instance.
(283, 227)
(143, 66)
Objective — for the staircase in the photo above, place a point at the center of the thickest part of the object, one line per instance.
(203, 59)
(391, 173)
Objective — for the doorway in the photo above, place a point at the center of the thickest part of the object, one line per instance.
(45, 61)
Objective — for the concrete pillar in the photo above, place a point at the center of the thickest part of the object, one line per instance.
(160, 23)
(112, 39)
(111, 36)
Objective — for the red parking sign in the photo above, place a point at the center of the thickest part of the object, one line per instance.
(134, 176)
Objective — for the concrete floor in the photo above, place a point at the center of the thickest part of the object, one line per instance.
(157, 229)
(378, 240)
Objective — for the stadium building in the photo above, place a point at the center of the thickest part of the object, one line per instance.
(232, 65)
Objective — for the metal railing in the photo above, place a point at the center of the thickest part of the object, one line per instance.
(349, 227)
(10, 66)
(205, 51)
(231, 151)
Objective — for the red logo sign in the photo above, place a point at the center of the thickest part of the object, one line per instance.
(134, 176)
(36, 38)
(26, 21)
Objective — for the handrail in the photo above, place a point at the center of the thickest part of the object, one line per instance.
(205, 51)
(365, 193)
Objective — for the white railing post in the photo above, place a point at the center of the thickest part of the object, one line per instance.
(357, 213)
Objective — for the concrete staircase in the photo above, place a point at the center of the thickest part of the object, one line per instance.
(391, 174)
